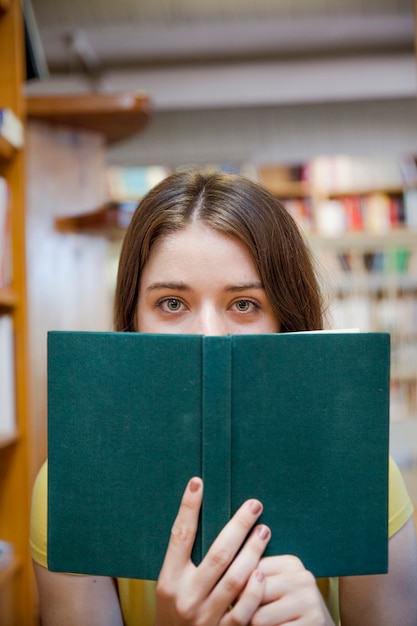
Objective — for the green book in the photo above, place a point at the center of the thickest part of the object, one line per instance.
(298, 420)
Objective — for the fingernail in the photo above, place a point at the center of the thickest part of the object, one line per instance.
(263, 531)
(194, 485)
(255, 506)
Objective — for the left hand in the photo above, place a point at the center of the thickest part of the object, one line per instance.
(291, 595)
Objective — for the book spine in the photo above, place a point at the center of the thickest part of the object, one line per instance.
(7, 377)
(11, 128)
(216, 437)
(5, 235)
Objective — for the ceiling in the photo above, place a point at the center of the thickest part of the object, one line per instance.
(187, 53)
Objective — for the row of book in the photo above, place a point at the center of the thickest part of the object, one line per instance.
(374, 213)
(7, 377)
(323, 174)
(5, 234)
(339, 172)
(395, 261)
(396, 315)
(332, 174)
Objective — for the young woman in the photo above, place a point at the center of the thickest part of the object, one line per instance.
(216, 254)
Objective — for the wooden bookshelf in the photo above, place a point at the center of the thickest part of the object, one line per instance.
(8, 299)
(115, 116)
(17, 605)
(109, 221)
(6, 149)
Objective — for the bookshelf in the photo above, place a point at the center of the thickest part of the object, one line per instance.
(16, 583)
(356, 214)
(360, 218)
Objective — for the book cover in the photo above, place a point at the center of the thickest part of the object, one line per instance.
(299, 421)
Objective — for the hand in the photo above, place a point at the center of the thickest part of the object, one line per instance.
(291, 595)
(227, 587)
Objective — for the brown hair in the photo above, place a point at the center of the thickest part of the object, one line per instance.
(234, 205)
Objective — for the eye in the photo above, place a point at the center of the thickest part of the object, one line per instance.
(245, 306)
(171, 305)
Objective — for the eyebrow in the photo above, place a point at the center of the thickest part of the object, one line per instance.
(181, 286)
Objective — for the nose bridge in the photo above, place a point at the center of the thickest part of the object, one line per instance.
(210, 321)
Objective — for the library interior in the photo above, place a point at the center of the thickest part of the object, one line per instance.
(100, 101)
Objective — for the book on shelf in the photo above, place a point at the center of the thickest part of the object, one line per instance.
(6, 554)
(132, 183)
(7, 376)
(5, 234)
(410, 208)
(11, 128)
(298, 420)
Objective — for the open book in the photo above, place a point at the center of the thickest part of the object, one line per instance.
(298, 420)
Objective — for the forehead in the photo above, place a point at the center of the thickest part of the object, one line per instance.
(199, 246)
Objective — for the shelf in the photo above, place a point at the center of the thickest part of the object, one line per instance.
(7, 151)
(290, 189)
(403, 374)
(110, 220)
(8, 440)
(116, 116)
(8, 298)
(372, 282)
(396, 190)
(362, 241)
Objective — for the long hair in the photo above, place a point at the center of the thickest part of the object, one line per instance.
(236, 206)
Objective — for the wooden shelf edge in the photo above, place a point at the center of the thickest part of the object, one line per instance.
(365, 241)
(108, 220)
(328, 194)
(8, 298)
(290, 189)
(115, 116)
(8, 440)
(7, 150)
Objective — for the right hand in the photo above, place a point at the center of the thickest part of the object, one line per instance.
(227, 587)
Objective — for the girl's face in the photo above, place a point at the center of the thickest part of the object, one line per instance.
(201, 281)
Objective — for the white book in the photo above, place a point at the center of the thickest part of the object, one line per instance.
(11, 128)
(5, 234)
(7, 377)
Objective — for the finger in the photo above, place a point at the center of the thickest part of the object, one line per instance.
(284, 563)
(250, 599)
(235, 579)
(227, 544)
(184, 529)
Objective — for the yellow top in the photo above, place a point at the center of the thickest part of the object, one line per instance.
(137, 597)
